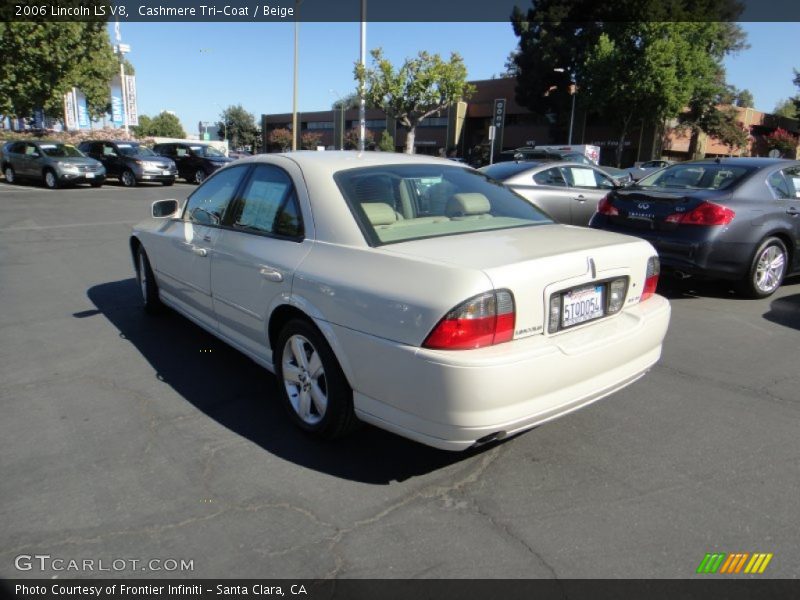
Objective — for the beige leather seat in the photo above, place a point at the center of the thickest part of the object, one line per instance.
(468, 206)
(379, 214)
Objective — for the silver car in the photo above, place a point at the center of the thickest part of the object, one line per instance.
(53, 163)
(567, 191)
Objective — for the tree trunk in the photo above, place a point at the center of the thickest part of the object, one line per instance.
(694, 145)
(621, 143)
(412, 132)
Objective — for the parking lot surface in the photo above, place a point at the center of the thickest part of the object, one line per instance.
(142, 438)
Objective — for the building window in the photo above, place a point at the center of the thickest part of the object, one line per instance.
(319, 125)
(433, 122)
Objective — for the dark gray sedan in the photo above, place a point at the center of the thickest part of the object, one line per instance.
(729, 218)
(567, 191)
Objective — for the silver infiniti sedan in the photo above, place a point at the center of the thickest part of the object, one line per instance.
(567, 191)
(408, 292)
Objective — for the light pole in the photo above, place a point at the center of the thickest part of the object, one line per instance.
(574, 94)
(362, 102)
(297, 4)
(122, 50)
(338, 141)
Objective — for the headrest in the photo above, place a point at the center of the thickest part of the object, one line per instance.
(379, 213)
(468, 203)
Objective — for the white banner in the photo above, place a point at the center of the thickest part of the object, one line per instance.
(70, 122)
(130, 92)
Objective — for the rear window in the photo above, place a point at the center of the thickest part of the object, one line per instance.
(695, 177)
(398, 203)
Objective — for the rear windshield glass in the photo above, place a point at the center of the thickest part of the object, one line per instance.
(397, 203)
(694, 177)
(504, 170)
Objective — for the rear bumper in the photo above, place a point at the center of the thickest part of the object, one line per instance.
(700, 252)
(451, 400)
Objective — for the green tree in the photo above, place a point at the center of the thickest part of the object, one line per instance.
(347, 102)
(627, 71)
(281, 137)
(744, 98)
(419, 88)
(163, 125)
(796, 81)
(43, 61)
(238, 126)
(786, 108)
(386, 143)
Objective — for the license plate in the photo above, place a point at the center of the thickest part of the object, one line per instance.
(165, 173)
(89, 175)
(581, 305)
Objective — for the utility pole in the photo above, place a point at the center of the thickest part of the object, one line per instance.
(362, 102)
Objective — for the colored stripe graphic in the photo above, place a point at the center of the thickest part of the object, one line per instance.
(724, 563)
(711, 562)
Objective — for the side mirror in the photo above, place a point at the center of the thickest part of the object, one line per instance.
(163, 209)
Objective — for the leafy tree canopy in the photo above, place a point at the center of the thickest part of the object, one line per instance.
(43, 61)
(238, 126)
(162, 125)
(419, 88)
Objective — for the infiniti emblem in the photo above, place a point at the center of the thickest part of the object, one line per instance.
(644, 205)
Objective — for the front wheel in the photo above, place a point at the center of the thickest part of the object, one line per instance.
(148, 287)
(767, 269)
(128, 179)
(314, 389)
(167, 183)
(50, 179)
(199, 176)
(9, 174)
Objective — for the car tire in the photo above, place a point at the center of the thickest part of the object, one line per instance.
(767, 269)
(127, 178)
(50, 179)
(148, 288)
(167, 183)
(199, 176)
(9, 174)
(96, 184)
(313, 386)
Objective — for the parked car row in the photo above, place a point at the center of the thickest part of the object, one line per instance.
(56, 164)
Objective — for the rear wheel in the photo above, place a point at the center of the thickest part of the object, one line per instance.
(148, 287)
(50, 179)
(199, 176)
(767, 269)
(9, 174)
(96, 184)
(128, 179)
(313, 387)
(167, 183)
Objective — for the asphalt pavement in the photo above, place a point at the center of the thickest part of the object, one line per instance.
(137, 438)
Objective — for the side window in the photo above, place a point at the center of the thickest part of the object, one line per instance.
(603, 181)
(550, 177)
(581, 177)
(269, 204)
(108, 150)
(792, 175)
(30, 150)
(779, 185)
(206, 206)
(17, 148)
(181, 151)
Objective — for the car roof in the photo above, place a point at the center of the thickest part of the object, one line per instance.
(742, 161)
(338, 160)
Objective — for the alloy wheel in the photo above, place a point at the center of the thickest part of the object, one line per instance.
(9, 173)
(769, 269)
(128, 179)
(304, 379)
(199, 176)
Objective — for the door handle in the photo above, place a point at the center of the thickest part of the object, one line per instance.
(206, 238)
(792, 211)
(199, 251)
(580, 198)
(271, 274)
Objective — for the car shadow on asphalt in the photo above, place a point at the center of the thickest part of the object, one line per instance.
(242, 396)
(674, 287)
(785, 311)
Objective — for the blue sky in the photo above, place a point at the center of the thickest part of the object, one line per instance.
(195, 69)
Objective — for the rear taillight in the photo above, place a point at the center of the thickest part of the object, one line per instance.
(651, 278)
(481, 321)
(705, 213)
(604, 207)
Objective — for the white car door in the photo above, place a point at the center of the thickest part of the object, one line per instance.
(181, 252)
(256, 255)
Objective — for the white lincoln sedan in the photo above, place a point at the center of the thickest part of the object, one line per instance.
(408, 292)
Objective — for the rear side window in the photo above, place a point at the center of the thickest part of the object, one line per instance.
(207, 205)
(552, 176)
(695, 177)
(779, 185)
(793, 179)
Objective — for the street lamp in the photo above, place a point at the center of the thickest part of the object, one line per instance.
(297, 4)
(362, 102)
(574, 94)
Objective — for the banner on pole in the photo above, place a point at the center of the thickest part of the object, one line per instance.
(130, 92)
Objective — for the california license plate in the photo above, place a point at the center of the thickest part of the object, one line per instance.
(89, 175)
(582, 304)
